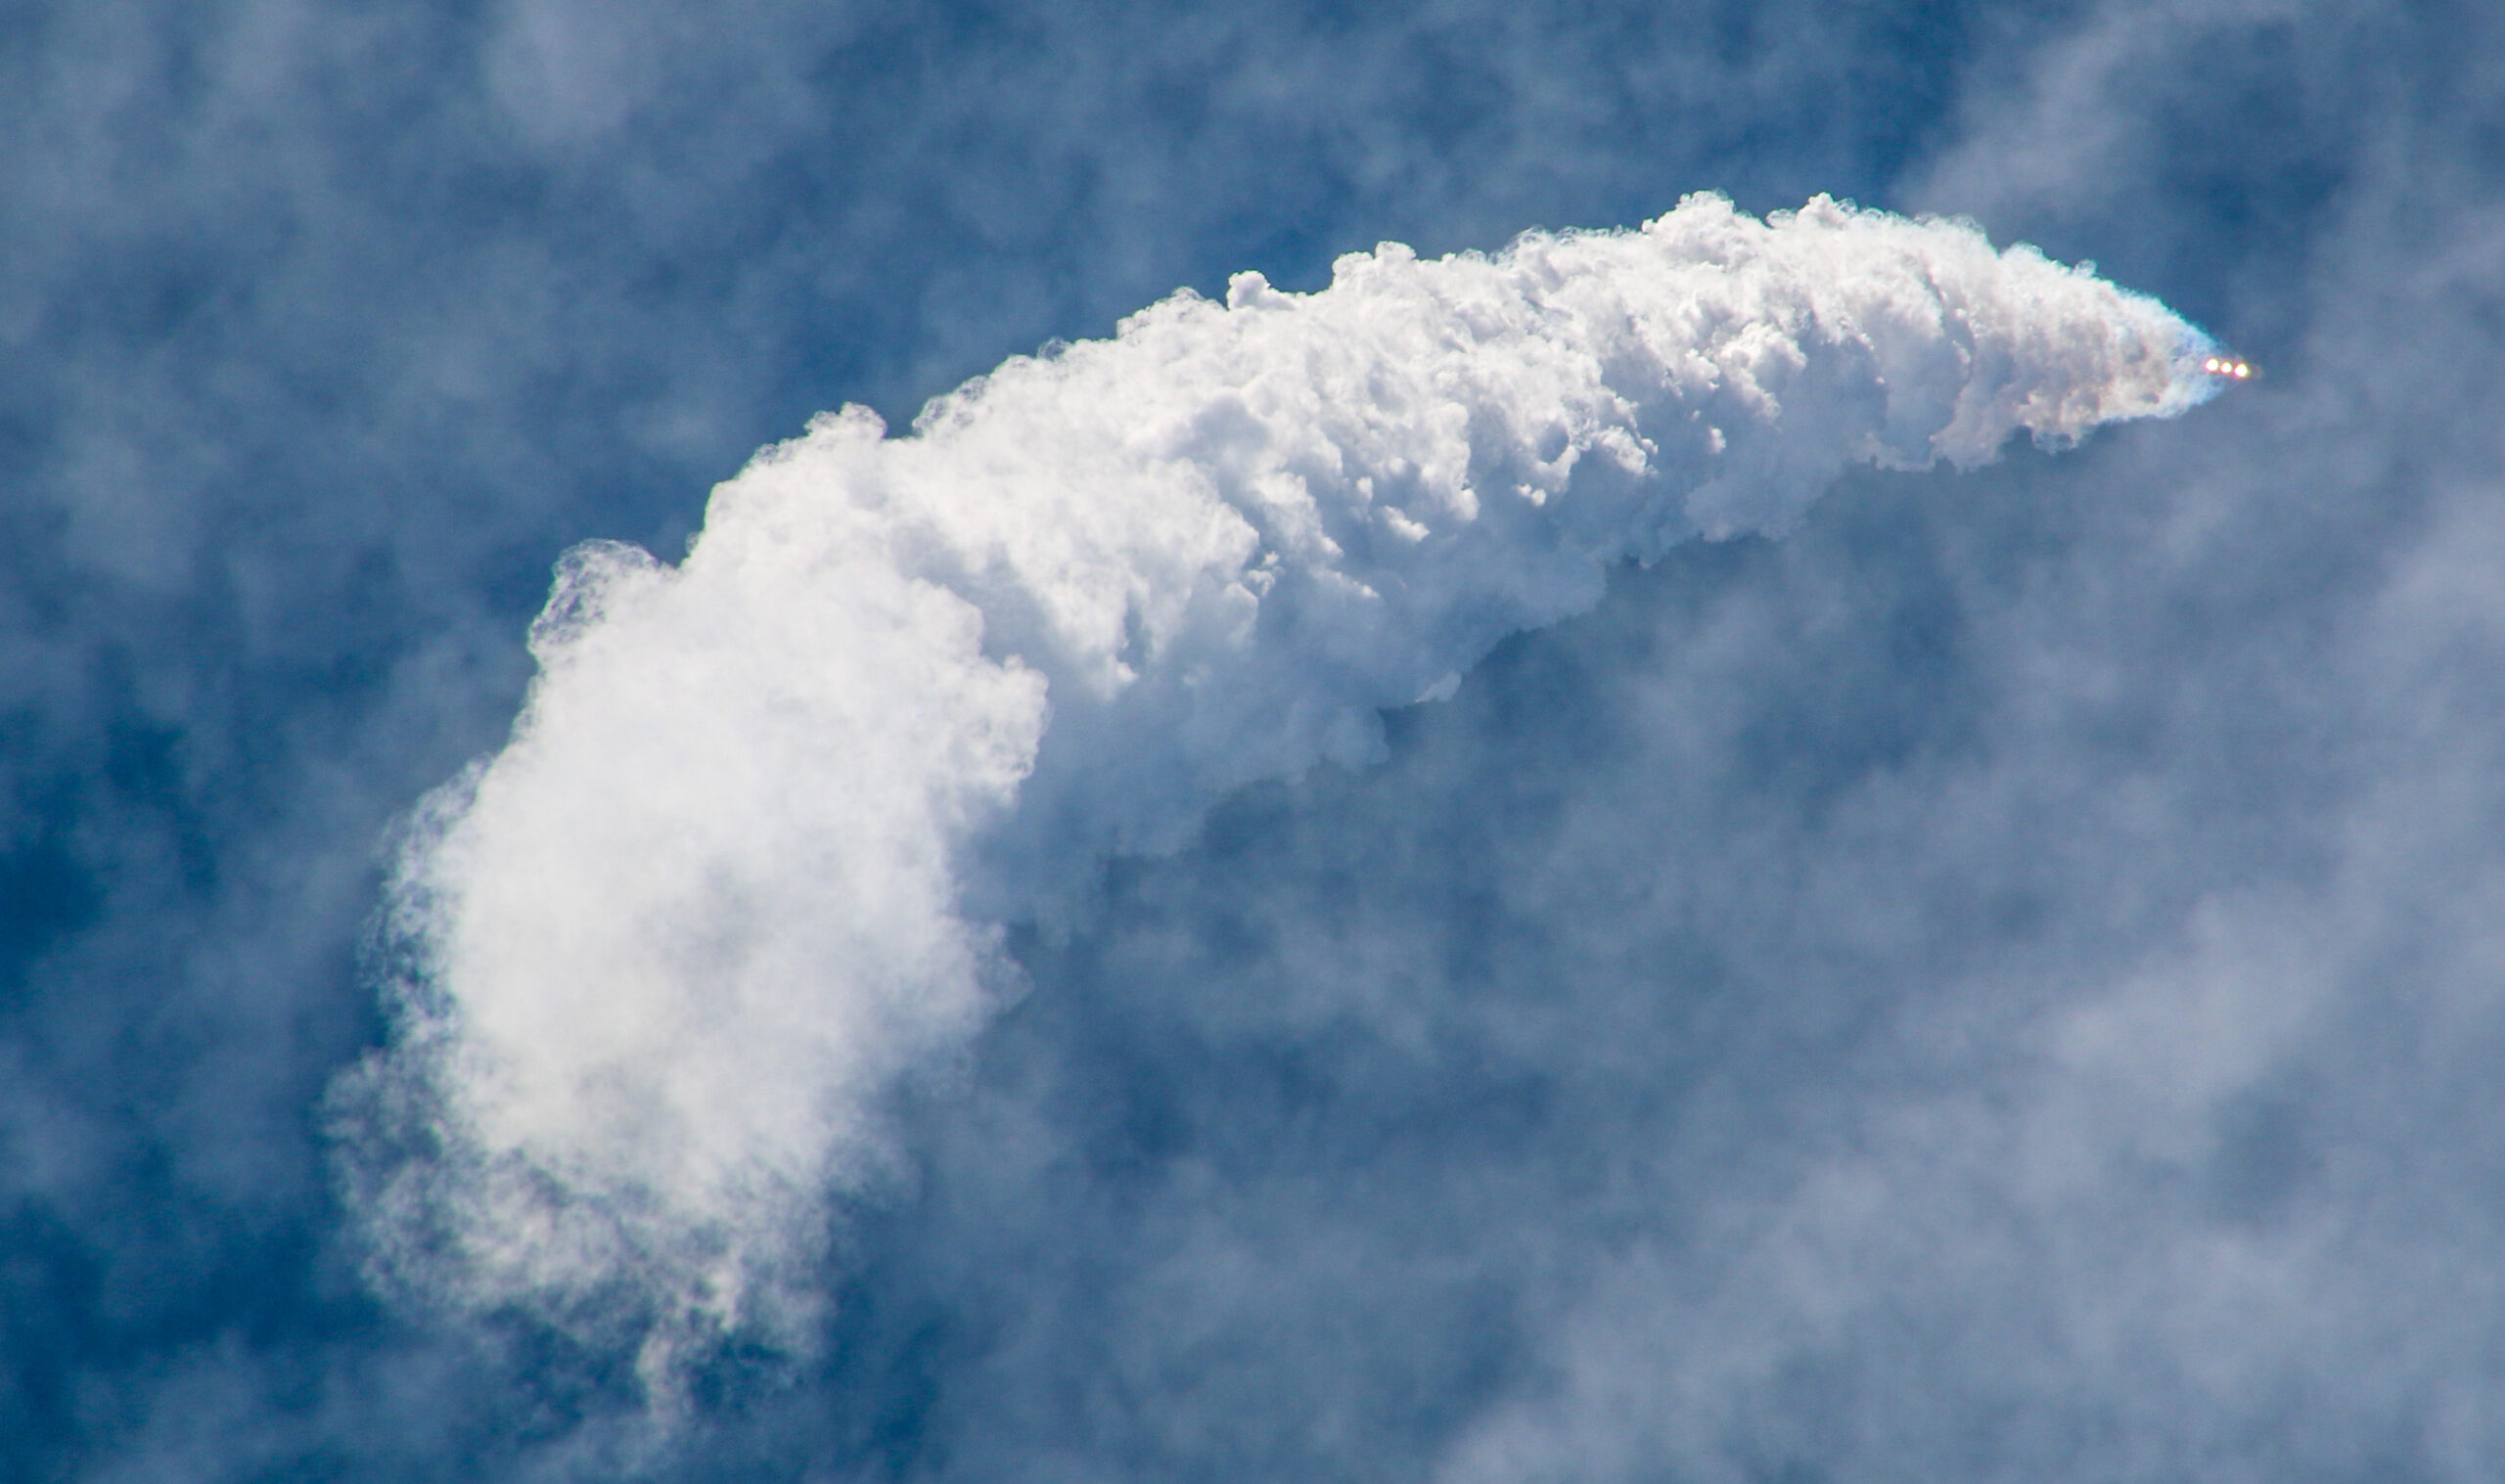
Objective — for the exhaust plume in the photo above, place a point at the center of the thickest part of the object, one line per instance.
(747, 856)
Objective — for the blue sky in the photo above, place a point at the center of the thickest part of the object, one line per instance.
(2002, 983)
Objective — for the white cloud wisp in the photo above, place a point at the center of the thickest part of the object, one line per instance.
(747, 856)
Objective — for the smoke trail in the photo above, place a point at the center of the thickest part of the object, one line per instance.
(743, 861)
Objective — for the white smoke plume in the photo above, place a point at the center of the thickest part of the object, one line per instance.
(745, 859)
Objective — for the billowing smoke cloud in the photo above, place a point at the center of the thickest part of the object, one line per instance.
(746, 857)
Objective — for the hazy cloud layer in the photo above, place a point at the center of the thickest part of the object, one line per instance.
(1999, 984)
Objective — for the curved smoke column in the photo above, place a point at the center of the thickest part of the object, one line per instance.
(743, 861)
